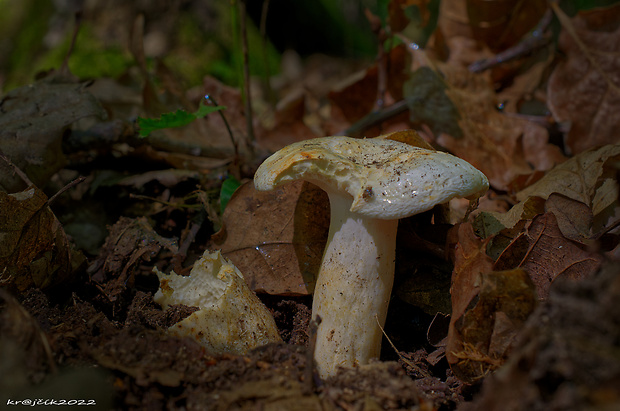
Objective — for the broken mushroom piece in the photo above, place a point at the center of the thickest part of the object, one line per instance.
(371, 183)
(230, 318)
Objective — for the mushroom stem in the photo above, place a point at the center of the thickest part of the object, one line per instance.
(353, 287)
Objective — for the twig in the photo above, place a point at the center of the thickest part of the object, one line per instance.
(16, 169)
(376, 27)
(64, 68)
(65, 188)
(211, 100)
(246, 72)
(375, 117)
(263, 33)
(402, 357)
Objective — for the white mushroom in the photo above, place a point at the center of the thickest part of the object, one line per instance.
(371, 183)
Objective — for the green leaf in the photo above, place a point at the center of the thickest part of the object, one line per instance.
(229, 186)
(179, 118)
(203, 110)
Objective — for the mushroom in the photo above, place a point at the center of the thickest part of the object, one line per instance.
(371, 183)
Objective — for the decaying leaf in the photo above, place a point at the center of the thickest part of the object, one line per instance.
(584, 88)
(546, 254)
(34, 250)
(276, 238)
(481, 337)
(274, 394)
(31, 127)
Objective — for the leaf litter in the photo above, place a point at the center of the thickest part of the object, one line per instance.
(533, 268)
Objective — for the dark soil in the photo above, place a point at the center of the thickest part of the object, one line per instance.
(567, 358)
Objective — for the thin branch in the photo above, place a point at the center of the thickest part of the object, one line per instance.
(211, 100)
(16, 169)
(246, 71)
(65, 188)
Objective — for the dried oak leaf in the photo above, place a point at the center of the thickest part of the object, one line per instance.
(546, 255)
(276, 238)
(34, 250)
(488, 308)
(459, 106)
(32, 122)
(584, 88)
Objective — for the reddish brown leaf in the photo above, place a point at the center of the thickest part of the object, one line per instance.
(276, 238)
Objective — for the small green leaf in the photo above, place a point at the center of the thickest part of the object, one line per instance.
(203, 110)
(179, 118)
(229, 186)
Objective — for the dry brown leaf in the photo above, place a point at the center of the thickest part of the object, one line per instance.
(276, 238)
(489, 223)
(34, 250)
(584, 89)
(546, 254)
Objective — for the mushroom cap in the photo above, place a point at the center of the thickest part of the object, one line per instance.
(386, 178)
